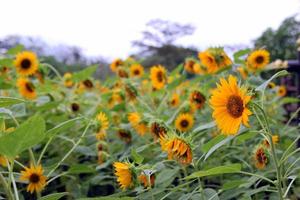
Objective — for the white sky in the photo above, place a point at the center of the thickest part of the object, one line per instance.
(107, 27)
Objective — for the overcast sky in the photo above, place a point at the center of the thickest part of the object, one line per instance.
(107, 27)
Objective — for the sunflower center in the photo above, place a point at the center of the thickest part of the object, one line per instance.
(75, 107)
(235, 106)
(25, 64)
(259, 59)
(260, 156)
(34, 178)
(136, 72)
(88, 83)
(29, 87)
(184, 123)
(160, 76)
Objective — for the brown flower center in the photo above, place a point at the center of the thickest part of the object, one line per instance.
(25, 64)
(136, 72)
(34, 178)
(88, 83)
(259, 59)
(29, 87)
(261, 157)
(235, 106)
(75, 107)
(160, 76)
(184, 123)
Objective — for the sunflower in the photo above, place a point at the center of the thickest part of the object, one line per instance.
(229, 104)
(124, 135)
(192, 67)
(122, 73)
(124, 174)
(141, 128)
(214, 59)
(260, 158)
(131, 93)
(198, 99)
(102, 157)
(271, 85)
(258, 59)
(178, 149)
(145, 180)
(243, 72)
(101, 135)
(275, 140)
(134, 118)
(3, 161)
(281, 91)
(157, 130)
(34, 176)
(184, 122)
(75, 107)
(26, 63)
(26, 88)
(88, 84)
(102, 118)
(116, 64)
(158, 77)
(136, 70)
(68, 80)
(174, 101)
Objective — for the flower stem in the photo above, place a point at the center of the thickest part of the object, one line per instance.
(6, 187)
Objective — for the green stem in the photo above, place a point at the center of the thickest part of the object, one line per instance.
(12, 178)
(71, 150)
(44, 150)
(6, 188)
(54, 70)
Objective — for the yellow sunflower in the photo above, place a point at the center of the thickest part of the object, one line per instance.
(209, 61)
(243, 72)
(34, 176)
(101, 135)
(271, 85)
(197, 99)
(26, 63)
(124, 174)
(214, 59)
(177, 149)
(144, 180)
(68, 79)
(258, 59)
(134, 118)
(102, 118)
(26, 88)
(158, 76)
(124, 135)
(260, 158)
(184, 122)
(116, 64)
(136, 70)
(3, 161)
(174, 101)
(229, 102)
(192, 67)
(141, 128)
(281, 91)
(158, 131)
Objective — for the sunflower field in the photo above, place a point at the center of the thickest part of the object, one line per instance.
(213, 128)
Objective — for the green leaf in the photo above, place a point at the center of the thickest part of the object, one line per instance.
(218, 145)
(226, 169)
(15, 50)
(28, 134)
(233, 184)
(263, 86)
(8, 101)
(84, 74)
(239, 54)
(7, 62)
(206, 147)
(81, 168)
(166, 175)
(210, 194)
(245, 136)
(108, 198)
(62, 127)
(204, 127)
(136, 157)
(55, 196)
(287, 100)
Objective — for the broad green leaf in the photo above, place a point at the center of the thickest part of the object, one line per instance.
(210, 194)
(226, 169)
(233, 184)
(7, 62)
(263, 86)
(8, 101)
(218, 145)
(108, 198)
(85, 73)
(245, 136)
(166, 175)
(204, 127)
(239, 54)
(207, 146)
(136, 157)
(15, 50)
(28, 134)
(55, 196)
(62, 127)
(177, 70)
(176, 82)
(81, 168)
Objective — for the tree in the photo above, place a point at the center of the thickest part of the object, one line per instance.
(281, 42)
(157, 43)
